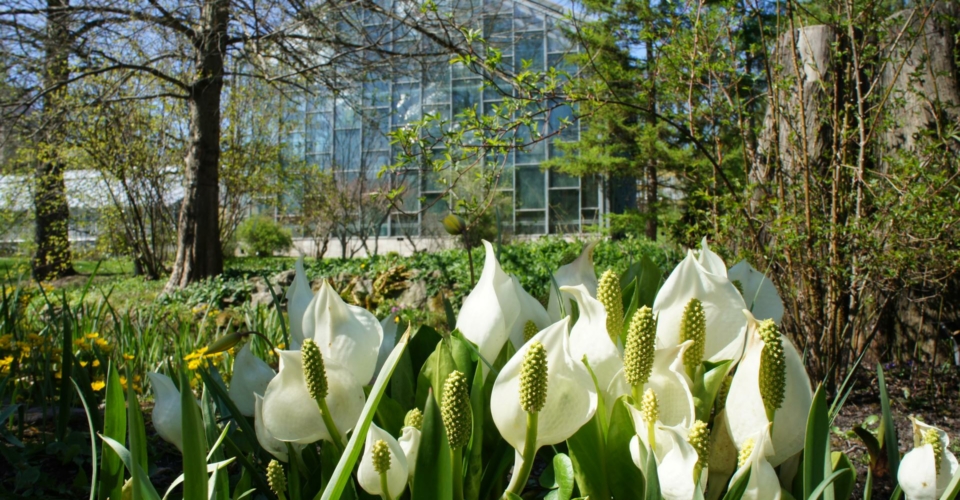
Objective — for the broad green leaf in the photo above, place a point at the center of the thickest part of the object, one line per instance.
(434, 470)
(586, 449)
(342, 474)
(648, 277)
(389, 416)
(560, 479)
(195, 482)
(827, 483)
(114, 427)
(843, 486)
(816, 447)
(211, 469)
(403, 384)
(650, 474)
(142, 488)
(422, 345)
(213, 381)
(473, 453)
(623, 476)
(451, 316)
(138, 444)
(214, 436)
(706, 387)
(66, 374)
(630, 307)
(93, 441)
(890, 440)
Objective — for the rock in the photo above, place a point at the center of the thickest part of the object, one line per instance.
(261, 298)
(260, 286)
(415, 296)
(284, 278)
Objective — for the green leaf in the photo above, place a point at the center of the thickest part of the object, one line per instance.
(843, 486)
(650, 474)
(403, 384)
(342, 474)
(435, 370)
(138, 444)
(213, 381)
(114, 427)
(890, 440)
(93, 441)
(422, 345)
(451, 317)
(560, 479)
(66, 369)
(434, 470)
(738, 488)
(195, 479)
(706, 388)
(474, 451)
(824, 485)
(816, 447)
(630, 306)
(142, 488)
(625, 479)
(389, 415)
(953, 488)
(648, 277)
(586, 449)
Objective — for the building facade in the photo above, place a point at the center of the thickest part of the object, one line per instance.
(347, 133)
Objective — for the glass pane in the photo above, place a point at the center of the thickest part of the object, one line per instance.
(562, 120)
(530, 152)
(562, 64)
(526, 19)
(410, 181)
(376, 94)
(294, 146)
(406, 102)
(466, 95)
(530, 222)
(561, 180)
(436, 91)
(346, 115)
(436, 209)
(319, 132)
(375, 130)
(374, 162)
(590, 191)
(564, 211)
(556, 41)
(347, 151)
(530, 49)
(530, 193)
(404, 225)
(500, 165)
(591, 217)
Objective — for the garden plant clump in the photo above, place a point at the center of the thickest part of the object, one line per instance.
(623, 385)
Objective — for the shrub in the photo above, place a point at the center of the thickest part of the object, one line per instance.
(262, 236)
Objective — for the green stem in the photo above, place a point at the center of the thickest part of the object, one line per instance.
(331, 426)
(637, 392)
(529, 452)
(457, 457)
(652, 436)
(384, 487)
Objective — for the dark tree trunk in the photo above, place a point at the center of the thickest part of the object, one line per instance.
(199, 254)
(652, 184)
(52, 258)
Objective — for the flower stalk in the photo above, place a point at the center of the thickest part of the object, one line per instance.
(533, 396)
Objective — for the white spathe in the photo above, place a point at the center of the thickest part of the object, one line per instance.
(298, 297)
(589, 338)
(346, 334)
(389, 327)
(273, 445)
(759, 294)
(578, 272)
(290, 414)
(488, 314)
(676, 460)
(397, 475)
(763, 483)
(410, 443)
(571, 395)
(530, 310)
(917, 474)
(710, 260)
(721, 301)
(250, 377)
(669, 382)
(744, 408)
(167, 409)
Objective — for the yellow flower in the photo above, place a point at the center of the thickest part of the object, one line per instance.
(104, 345)
(6, 341)
(128, 357)
(96, 363)
(83, 364)
(80, 343)
(98, 385)
(92, 336)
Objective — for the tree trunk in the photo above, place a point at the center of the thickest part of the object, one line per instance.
(51, 234)
(199, 254)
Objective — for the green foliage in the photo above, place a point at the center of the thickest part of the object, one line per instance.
(262, 236)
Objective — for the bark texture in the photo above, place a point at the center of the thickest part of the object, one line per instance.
(199, 254)
(52, 258)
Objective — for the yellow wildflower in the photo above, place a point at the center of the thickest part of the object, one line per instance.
(6, 341)
(83, 364)
(96, 363)
(98, 385)
(92, 336)
(128, 357)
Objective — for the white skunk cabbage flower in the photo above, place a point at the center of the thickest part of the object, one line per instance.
(721, 302)
(926, 470)
(410, 443)
(710, 260)
(571, 396)
(167, 409)
(389, 327)
(669, 382)
(298, 297)
(250, 377)
(763, 483)
(490, 311)
(676, 461)
(771, 370)
(589, 337)
(382, 453)
(530, 310)
(348, 335)
(273, 445)
(291, 414)
(760, 295)
(578, 272)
